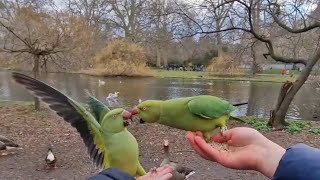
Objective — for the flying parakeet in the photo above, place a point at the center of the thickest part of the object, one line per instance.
(198, 113)
(108, 141)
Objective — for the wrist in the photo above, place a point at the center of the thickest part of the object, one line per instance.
(270, 158)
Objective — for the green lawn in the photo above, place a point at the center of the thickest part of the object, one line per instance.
(237, 77)
(278, 71)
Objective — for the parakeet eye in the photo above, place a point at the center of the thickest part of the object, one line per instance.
(114, 116)
(144, 108)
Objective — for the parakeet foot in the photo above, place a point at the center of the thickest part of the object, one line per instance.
(223, 130)
(153, 170)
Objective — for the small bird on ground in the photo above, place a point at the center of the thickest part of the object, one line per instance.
(51, 159)
(6, 145)
(180, 172)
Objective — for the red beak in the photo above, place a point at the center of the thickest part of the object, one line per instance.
(134, 111)
(126, 115)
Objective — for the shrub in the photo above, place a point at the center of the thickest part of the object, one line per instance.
(223, 65)
(121, 57)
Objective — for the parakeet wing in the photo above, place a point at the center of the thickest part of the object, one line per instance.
(98, 109)
(71, 112)
(210, 107)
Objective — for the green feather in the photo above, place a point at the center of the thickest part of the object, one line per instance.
(71, 112)
(98, 109)
(104, 147)
(210, 107)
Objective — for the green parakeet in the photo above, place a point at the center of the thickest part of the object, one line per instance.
(198, 113)
(108, 141)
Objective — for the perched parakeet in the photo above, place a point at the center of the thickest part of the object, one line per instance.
(198, 113)
(108, 141)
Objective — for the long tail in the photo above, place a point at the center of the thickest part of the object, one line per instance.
(240, 104)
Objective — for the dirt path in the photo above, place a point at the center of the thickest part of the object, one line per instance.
(36, 131)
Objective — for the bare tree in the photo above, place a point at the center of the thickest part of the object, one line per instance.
(29, 32)
(126, 14)
(215, 17)
(93, 11)
(162, 23)
(275, 16)
(255, 22)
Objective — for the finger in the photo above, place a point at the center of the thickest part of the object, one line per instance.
(218, 138)
(167, 176)
(223, 138)
(190, 136)
(199, 133)
(164, 170)
(210, 152)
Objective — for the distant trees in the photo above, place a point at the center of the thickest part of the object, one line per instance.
(41, 38)
(51, 36)
(29, 32)
(274, 27)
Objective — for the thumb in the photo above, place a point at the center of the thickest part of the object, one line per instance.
(223, 138)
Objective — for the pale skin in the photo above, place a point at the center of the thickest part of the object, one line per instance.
(250, 150)
(161, 173)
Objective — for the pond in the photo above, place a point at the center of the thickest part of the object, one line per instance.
(260, 95)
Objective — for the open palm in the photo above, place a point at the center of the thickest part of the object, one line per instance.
(248, 150)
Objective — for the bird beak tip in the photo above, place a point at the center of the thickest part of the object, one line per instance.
(134, 111)
(127, 115)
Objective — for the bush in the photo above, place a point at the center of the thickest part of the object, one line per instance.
(121, 57)
(223, 65)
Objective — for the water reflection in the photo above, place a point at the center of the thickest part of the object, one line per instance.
(261, 96)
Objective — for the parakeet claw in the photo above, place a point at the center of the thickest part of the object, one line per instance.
(153, 170)
(126, 123)
(223, 130)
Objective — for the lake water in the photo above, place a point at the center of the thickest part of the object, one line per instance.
(260, 95)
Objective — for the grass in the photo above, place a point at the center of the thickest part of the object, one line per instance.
(295, 126)
(278, 71)
(140, 71)
(25, 103)
(236, 77)
(259, 124)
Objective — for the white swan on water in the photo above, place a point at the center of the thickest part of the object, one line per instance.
(101, 82)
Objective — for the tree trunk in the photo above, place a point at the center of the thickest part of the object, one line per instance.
(128, 34)
(287, 93)
(219, 38)
(254, 47)
(254, 55)
(36, 74)
(280, 123)
(294, 66)
(158, 57)
(165, 58)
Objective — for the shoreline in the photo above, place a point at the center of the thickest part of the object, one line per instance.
(272, 78)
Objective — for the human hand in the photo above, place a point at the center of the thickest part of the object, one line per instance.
(161, 173)
(250, 150)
